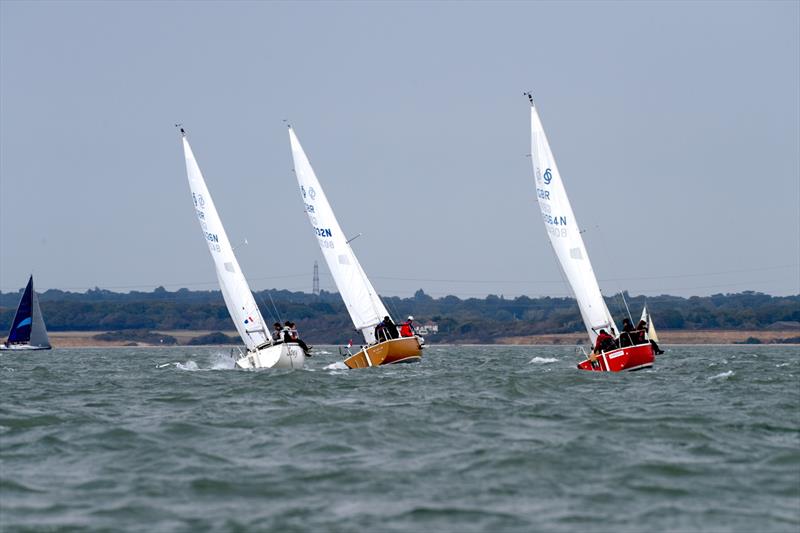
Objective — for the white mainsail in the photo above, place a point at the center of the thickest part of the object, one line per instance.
(562, 228)
(360, 298)
(235, 290)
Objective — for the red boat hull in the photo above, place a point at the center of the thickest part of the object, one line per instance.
(628, 358)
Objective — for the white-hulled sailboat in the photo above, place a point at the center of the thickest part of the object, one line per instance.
(562, 228)
(28, 331)
(363, 303)
(261, 351)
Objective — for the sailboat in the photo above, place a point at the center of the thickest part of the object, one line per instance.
(363, 304)
(652, 334)
(27, 329)
(261, 351)
(565, 237)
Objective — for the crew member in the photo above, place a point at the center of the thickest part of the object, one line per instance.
(604, 342)
(380, 333)
(627, 335)
(277, 334)
(290, 335)
(407, 329)
(642, 328)
(390, 328)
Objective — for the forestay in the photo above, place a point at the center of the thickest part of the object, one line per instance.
(235, 290)
(562, 228)
(360, 298)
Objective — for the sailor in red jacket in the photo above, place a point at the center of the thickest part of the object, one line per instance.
(604, 342)
(407, 329)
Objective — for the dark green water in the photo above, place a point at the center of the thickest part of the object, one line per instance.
(472, 439)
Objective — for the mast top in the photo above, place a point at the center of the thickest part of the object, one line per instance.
(530, 97)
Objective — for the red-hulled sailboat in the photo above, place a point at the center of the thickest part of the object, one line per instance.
(562, 228)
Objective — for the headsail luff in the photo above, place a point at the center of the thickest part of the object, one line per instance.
(564, 233)
(363, 303)
(235, 290)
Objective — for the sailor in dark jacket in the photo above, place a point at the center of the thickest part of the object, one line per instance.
(390, 328)
(627, 335)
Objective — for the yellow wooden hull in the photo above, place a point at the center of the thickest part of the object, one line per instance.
(403, 350)
(369, 356)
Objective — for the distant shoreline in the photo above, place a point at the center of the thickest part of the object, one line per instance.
(84, 339)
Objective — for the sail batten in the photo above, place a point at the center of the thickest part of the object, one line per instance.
(235, 290)
(362, 301)
(564, 233)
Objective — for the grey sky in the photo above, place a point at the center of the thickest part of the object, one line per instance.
(676, 127)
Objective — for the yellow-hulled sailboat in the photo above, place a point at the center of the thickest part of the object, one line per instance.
(363, 303)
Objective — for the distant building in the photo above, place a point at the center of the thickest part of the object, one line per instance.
(428, 328)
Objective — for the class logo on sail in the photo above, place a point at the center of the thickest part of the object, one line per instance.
(548, 176)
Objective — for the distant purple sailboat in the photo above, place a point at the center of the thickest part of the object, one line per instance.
(28, 331)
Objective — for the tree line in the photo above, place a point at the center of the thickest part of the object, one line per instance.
(323, 318)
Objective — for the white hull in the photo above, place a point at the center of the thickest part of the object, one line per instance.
(276, 356)
(22, 348)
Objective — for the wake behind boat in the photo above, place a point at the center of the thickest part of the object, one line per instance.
(383, 343)
(262, 351)
(28, 331)
(629, 352)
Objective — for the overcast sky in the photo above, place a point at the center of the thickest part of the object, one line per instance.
(676, 127)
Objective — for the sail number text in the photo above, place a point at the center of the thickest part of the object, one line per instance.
(555, 225)
(555, 221)
(323, 232)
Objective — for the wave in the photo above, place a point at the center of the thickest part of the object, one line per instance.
(543, 360)
(723, 375)
(221, 361)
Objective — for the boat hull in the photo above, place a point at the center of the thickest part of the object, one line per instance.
(22, 347)
(276, 356)
(403, 350)
(368, 356)
(393, 351)
(622, 359)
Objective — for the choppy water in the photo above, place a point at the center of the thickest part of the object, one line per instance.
(472, 439)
